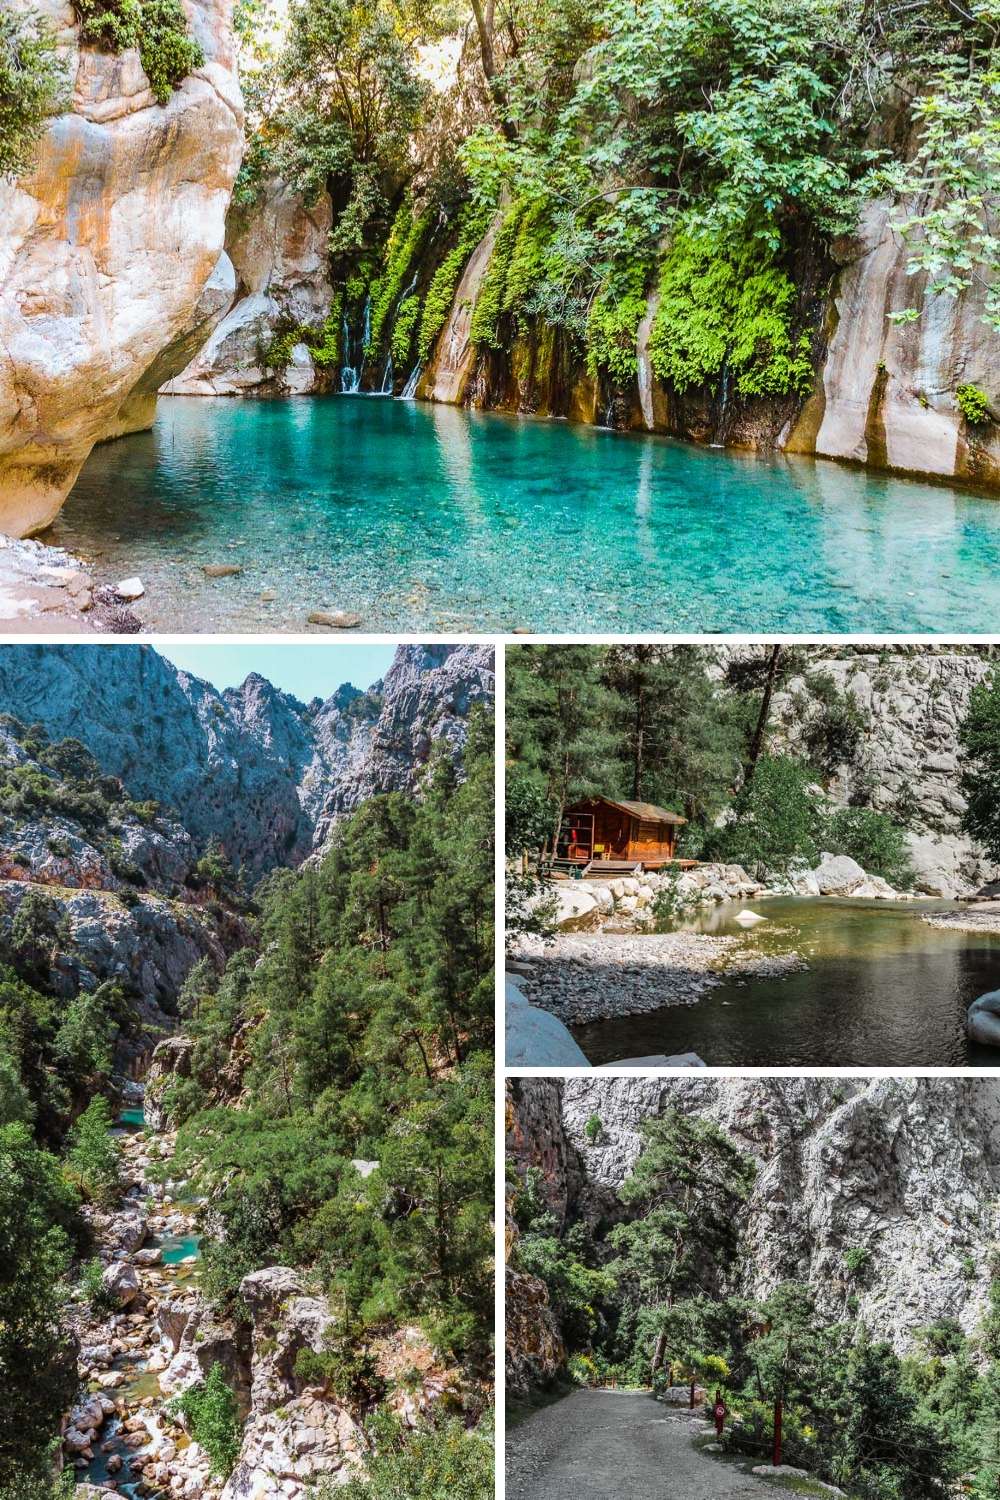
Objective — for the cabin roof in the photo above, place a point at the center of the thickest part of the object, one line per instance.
(647, 811)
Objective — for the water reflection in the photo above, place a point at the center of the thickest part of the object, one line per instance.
(883, 989)
(505, 521)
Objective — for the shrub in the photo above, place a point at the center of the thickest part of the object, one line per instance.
(856, 1259)
(448, 1462)
(776, 819)
(873, 839)
(92, 1158)
(211, 1414)
(593, 1128)
(92, 1285)
(158, 28)
(974, 405)
(31, 85)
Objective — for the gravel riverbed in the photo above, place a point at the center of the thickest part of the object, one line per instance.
(592, 976)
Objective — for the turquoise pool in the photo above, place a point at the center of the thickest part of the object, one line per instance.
(420, 517)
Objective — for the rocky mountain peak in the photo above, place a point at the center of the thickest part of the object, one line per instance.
(251, 767)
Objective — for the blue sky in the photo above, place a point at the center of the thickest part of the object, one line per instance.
(307, 670)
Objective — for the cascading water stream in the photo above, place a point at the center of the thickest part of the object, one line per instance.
(387, 378)
(409, 391)
(353, 367)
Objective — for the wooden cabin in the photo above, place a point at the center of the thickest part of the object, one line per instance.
(604, 831)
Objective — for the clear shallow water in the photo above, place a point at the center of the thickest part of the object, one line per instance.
(417, 516)
(883, 989)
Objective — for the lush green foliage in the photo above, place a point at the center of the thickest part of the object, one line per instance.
(92, 1158)
(974, 405)
(37, 1371)
(31, 86)
(980, 739)
(448, 1462)
(210, 1413)
(402, 247)
(728, 312)
(158, 28)
(873, 839)
(366, 1025)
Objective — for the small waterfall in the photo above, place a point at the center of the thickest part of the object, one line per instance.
(720, 426)
(387, 378)
(409, 391)
(354, 352)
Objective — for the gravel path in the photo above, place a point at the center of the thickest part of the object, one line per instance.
(590, 976)
(596, 1444)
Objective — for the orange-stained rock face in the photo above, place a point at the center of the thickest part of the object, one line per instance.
(105, 251)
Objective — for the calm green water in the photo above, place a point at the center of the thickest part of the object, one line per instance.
(417, 516)
(135, 1119)
(883, 989)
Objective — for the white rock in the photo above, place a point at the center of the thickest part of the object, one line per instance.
(130, 588)
(748, 918)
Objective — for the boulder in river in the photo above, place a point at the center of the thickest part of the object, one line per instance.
(983, 1020)
(838, 874)
(121, 1282)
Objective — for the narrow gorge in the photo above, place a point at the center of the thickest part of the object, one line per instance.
(245, 966)
(457, 215)
(821, 1253)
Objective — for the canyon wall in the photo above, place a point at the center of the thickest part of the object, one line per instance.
(884, 394)
(912, 701)
(278, 248)
(906, 1169)
(111, 255)
(265, 775)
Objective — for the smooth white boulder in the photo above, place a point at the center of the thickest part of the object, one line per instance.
(573, 903)
(130, 588)
(983, 1020)
(838, 874)
(748, 918)
(535, 1038)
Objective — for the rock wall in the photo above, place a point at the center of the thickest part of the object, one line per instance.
(886, 394)
(278, 249)
(107, 250)
(913, 700)
(267, 776)
(905, 1168)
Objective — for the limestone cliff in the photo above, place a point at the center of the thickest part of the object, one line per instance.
(884, 396)
(111, 255)
(912, 701)
(278, 248)
(265, 775)
(906, 1169)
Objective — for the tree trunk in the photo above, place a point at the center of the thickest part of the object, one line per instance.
(757, 743)
(484, 27)
(640, 736)
(659, 1351)
(692, 1395)
(776, 1457)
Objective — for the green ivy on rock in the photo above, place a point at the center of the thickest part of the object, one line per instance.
(723, 309)
(157, 28)
(31, 82)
